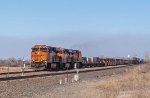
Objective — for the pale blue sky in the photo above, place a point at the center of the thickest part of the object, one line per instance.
(97, 27)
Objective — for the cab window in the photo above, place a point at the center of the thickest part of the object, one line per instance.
(35, 49)
(43, 49)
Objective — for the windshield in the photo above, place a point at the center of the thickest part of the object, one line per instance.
(35, 49)
(43, 49)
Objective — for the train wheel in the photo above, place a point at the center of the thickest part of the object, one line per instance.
(45, 67)
(48, 67)
(67, 65)
(54, 66)
(79, 65)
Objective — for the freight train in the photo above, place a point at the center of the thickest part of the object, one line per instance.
(55, 58)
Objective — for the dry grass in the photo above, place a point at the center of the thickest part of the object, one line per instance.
(12, 69)
(133, 84)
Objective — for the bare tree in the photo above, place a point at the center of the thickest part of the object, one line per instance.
(13, 62)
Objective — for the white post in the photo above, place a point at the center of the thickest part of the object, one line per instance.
(22, 74)
(60, 82)
(76, 76)
(24, 66)
(72, 80)
(65, 80)
(75, 66)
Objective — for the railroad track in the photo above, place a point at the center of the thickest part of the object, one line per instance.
(18, 72)
(46, 73)
(15, 72)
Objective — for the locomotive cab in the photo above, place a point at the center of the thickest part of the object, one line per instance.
(39, 56)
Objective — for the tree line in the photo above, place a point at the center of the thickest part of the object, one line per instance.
(13, 62)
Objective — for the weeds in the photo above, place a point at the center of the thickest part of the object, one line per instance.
(132, 84)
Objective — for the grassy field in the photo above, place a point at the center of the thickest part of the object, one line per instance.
(133, 84)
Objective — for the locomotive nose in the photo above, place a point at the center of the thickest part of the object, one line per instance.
(39, 56)
(37, 52)
(36, 57)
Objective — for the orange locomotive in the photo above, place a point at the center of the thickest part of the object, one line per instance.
(47, 57)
